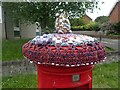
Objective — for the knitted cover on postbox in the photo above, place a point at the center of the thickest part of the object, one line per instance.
(64, 50)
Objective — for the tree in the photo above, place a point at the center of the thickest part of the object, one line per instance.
(102, 19)
(106, 27)
(44, 12)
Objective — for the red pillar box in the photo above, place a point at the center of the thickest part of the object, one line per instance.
(64, 64)
(64, 77)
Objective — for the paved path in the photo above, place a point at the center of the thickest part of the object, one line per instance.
(113, 43)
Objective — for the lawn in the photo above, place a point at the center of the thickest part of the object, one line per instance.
(108, 49)
(20, 81)
(104, 76)
(12, 49)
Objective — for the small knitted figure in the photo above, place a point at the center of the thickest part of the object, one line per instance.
(62, 23)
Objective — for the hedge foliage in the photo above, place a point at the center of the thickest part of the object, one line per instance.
(117, 27)
(77, 22)
(91, 26)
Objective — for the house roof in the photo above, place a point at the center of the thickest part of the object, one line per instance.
(87, 16)
(114, 7)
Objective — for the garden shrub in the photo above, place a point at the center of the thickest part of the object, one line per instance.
(91, 26)
(116, 27)
(106, 27)
(77, 22)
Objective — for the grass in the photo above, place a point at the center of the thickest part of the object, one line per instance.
(104, 76)
(20, 81)
(12, 49)
(108, 49)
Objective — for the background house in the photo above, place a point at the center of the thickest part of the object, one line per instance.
(114, 15)
(87, 19)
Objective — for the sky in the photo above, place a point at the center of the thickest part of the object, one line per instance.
(105, 9)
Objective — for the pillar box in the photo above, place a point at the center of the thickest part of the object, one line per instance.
(64, 60)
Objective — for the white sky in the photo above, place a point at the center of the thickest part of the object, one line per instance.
(105, 9)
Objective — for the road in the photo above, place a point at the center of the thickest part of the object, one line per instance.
(113, 43)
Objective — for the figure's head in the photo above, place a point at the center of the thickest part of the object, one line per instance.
(66, 15)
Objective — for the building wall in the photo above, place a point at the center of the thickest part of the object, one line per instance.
(27, 30)
(8, 24)
(9, 28)
(115, 14)
(0, 31)
(2, 24)
(119, 11)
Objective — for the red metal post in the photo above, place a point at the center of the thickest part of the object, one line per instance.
(58, 77)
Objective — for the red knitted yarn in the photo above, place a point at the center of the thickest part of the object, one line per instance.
(65, 55)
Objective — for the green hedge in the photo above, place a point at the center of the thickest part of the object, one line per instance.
(91, 26)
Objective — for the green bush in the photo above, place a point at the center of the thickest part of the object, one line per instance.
(77, 22)
(116, 27)
(91, 26)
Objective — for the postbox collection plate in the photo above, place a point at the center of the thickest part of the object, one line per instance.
(76, 78)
